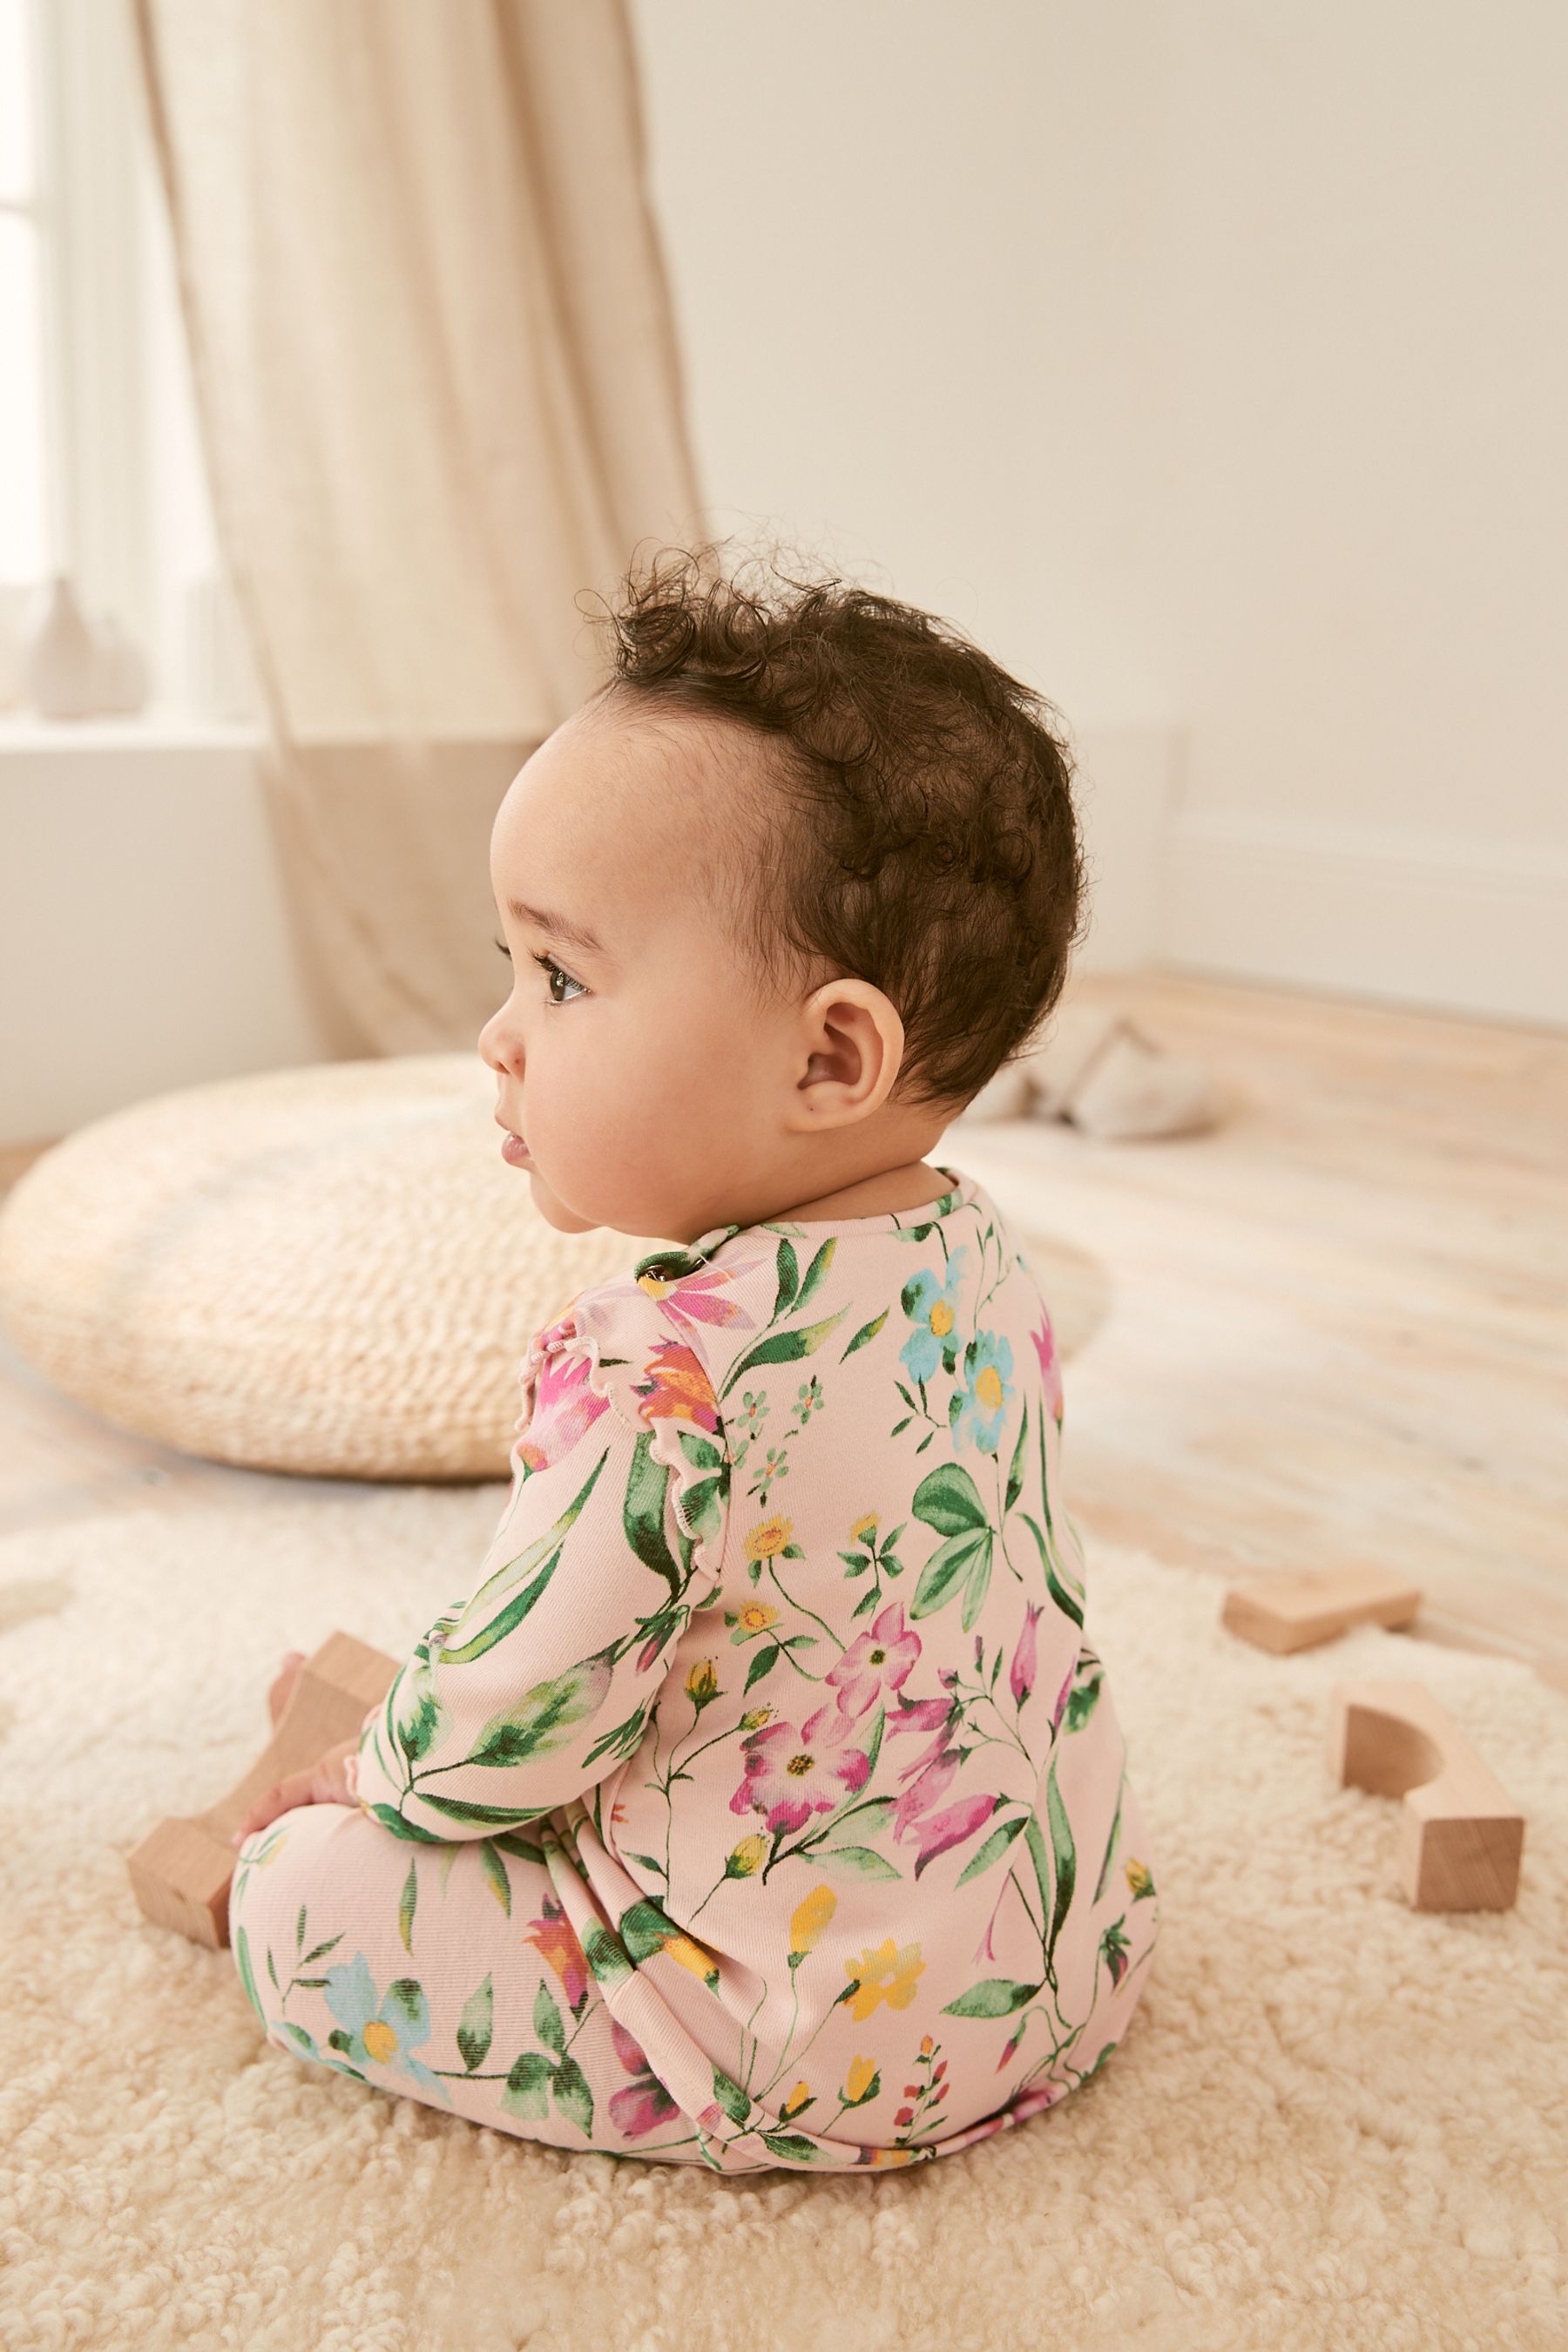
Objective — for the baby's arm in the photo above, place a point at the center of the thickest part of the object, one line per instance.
(538, 1685)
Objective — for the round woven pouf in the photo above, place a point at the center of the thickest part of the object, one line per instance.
(327, 1270)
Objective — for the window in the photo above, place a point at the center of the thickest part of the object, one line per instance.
(100, 469)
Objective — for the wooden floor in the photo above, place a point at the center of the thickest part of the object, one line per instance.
(1334, 1330)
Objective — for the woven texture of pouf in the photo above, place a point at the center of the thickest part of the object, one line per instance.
(327, 1270)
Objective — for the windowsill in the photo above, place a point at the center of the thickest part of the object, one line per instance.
(158, 726)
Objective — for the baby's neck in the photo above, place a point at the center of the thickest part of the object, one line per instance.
(875, 1196)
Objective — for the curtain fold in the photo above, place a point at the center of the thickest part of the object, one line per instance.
(437, 382)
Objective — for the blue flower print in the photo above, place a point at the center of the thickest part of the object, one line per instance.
(380, 2032)
(931, 1308)
(978, 1413)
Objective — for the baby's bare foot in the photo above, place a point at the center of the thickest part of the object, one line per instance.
(288, 1675)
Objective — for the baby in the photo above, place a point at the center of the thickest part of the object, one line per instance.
(763, 1803)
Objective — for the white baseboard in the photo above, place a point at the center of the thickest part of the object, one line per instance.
(1461, 926)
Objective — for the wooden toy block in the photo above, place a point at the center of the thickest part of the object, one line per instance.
(1294, 1612)
(1460, 1834)
(181, 1871)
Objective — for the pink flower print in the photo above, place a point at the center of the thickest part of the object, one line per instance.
(563, 1407)
(923, 1715)
(874, 1662)
(791, 1774)
(1021, 1673)
(1045, 1340)
(702, 1298)
(643, 2104)
(951, 1827)
(920, 1799)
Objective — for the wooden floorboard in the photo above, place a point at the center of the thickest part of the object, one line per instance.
(1335, 1328)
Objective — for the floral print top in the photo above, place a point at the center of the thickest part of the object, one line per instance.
(778, 1658)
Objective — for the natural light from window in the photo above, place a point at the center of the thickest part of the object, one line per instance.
(25, 551)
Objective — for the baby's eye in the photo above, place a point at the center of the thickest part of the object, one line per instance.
(550, 965)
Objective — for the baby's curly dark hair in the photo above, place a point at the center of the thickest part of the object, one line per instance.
(922, 835)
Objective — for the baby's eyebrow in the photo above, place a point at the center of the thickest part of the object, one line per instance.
(559, 927)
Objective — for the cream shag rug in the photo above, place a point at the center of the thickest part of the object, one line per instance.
(1333, 2122)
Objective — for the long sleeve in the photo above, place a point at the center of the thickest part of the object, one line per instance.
(538, 1684)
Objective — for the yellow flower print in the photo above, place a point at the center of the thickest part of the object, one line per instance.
(755, 1716)
(941, 1318)
(755, 1616)
(860, 2079)
(865, 1528)
(891, 2154)
(702, 1682)
(692, 1955)
(746, 1857)
(926, 2045)
(1138, 1878)
(799, 2097)
(887, 1974)
(810, 1918)
(769, 1538)
(988, 1387)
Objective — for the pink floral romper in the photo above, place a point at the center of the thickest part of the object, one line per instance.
(764, 1802)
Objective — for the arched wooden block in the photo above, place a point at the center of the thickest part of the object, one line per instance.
(181, 1871)
(1283, 1613)
(1460, 1834)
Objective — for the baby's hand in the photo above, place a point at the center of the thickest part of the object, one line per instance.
(325, 1782)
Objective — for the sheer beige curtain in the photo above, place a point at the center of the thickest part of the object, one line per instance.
(440, 401)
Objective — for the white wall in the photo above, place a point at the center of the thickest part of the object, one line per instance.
(1208, 364)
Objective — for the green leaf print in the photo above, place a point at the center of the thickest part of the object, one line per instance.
(417, 1732)
(1058, 1591)
(854, 1861)
(527, 2092)
(993, 1997)
(572, 2095)
(496, 1879)
(406, 1902)
(547, 2021)
(735, 2102)
(787, 1270)
(642, 1515)
(1015, 1474)
(979, 1580)
(517, 1609)
(790, 2145)
(506, 1620)
(699, 1451)
(948, 1500)
(390, 1818)
(783, 1348)
(1065, 1855)
(1081, 1699)
(866, 1331)
(1111, 1842)
(766, 1659)
(606, 1954)
(946, 1569)
(476, 2025)
(247, 1979)
(546, 1717)
(995, 1847)
(816, 1272)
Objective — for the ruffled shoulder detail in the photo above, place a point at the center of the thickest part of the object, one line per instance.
(616, 1348)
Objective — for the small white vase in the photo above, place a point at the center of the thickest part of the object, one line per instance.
(61, 660)
(119, 669)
